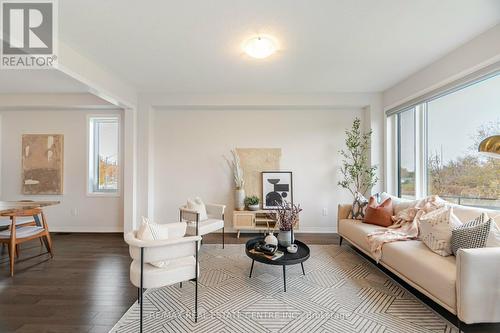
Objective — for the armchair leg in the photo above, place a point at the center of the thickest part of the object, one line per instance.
(141, 290)
(222, 237)
(196, 301)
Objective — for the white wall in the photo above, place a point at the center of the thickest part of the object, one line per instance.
(189, 146)
(93, 214)
(478, 53)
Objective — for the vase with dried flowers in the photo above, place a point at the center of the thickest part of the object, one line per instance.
(287, 217)
(239, 182)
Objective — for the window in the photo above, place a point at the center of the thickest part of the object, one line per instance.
(406, 154)
(449, 129)
(104, 157)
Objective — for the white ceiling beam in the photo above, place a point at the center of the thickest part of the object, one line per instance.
(53, 102)
(101, 82)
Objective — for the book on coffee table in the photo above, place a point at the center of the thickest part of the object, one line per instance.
(275, 256)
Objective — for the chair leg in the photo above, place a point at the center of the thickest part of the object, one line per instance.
(180, 285)
(196, 301)
(340, 242)
(12, 251)
(48, 240)
(48, 245)
(141, 290)
(17, 251)
(222, 237)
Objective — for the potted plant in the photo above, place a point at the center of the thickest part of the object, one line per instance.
(359, 176)
(287, 217)
(239, 182)
(252, 202)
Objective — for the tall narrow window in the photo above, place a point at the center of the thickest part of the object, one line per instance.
(104, 161)
(406, 154)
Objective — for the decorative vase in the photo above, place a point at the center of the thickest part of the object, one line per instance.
(253, 207)
(271, 239)
(285, 238)
(239, 199)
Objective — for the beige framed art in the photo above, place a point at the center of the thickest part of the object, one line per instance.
(42, 164)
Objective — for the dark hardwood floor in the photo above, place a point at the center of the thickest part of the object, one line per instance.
(86, 287)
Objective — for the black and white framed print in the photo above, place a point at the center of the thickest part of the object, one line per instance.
(276, 188)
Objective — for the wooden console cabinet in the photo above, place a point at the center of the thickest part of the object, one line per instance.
(258, 220)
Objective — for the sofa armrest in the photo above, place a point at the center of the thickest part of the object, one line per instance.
(343, 211)
(478, 285)
(215, 210)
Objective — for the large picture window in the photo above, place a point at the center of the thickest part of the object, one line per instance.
(104, 167)
(453, 126)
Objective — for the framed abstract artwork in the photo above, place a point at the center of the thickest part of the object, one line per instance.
(277, 188)
(43, 162)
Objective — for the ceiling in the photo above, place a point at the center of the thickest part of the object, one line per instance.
(38, 81)
(193, 46)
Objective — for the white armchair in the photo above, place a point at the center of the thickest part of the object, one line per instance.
(214, 222)
(181, 254)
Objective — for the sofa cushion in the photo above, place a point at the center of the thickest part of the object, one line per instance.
(478, 233)
(398, 204)
(356, 232)
(379, 214)
(435, 229)
(204, 227)
(433, 273)
(466, 214)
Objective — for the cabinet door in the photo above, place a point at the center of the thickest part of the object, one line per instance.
(243, 220)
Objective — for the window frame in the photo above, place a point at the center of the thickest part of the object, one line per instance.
(91, 144)
(398, 150)
(393, 147)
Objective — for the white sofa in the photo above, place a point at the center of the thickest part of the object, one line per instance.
(467, 285)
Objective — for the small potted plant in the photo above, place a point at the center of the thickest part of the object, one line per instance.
(288, 216)
(252, 202)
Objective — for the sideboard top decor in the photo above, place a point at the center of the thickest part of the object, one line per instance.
(235, 166)
(42, 163)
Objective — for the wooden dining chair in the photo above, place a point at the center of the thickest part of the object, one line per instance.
(17, 234)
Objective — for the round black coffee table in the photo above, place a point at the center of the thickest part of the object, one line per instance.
(302, 255)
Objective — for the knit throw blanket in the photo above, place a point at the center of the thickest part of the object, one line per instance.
(405, 225)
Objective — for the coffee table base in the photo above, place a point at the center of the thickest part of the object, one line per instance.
(284, 273)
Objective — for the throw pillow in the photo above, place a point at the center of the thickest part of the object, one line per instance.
(358, 207)
(151, 231)
(478, 233)
(436, 228)
(155, 231)
(379, 214)
(197, 205)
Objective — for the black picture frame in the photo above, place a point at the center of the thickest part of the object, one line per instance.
(279, 190)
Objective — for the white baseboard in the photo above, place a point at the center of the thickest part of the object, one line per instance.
(304, 230)
(103, 229)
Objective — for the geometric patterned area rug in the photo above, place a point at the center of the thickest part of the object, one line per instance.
(341, 292)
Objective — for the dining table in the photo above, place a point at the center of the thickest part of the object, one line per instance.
(9, 207)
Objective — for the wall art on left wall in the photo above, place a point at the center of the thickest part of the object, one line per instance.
(43, 163)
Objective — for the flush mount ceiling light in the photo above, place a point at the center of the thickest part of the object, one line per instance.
(259, 47)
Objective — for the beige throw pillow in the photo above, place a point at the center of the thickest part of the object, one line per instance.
(197, 205)
(436, 227)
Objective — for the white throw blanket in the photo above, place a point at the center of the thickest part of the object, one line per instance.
(405, 225)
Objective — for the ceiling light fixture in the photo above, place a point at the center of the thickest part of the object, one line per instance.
(259, 47)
